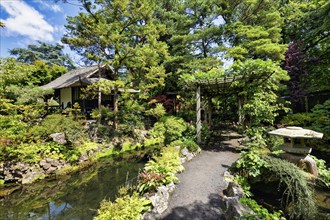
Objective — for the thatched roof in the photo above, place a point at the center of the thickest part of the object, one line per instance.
(73, 77)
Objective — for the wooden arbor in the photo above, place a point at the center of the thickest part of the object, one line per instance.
(210, 88)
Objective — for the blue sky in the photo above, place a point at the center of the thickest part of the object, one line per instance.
(28, 21)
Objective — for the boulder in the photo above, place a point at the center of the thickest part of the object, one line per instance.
(187, 154)
(58, 138)
(184, 151)
(235, 210)
(233, 190)
(159, 201)
(34, 173)
(44, 164)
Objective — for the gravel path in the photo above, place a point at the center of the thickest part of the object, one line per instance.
(197, 194)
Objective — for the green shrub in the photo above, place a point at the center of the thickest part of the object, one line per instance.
(87, 147)
(187, 143)
(243, 182)
(130, 115)
(318, 120)
(274, 142)
(124, 208)
(260, 211)
(160, 170)
(324, 172)
(102, 132)
(128, 146)
(321, 123)
(158, 131)
(13, 128)
(56, 123)
(153, 142)
(298, 119)
(297, 197)
(170, 128)
(102, 114)
(157, 112)
(251, 164)
(298, 194)
(174, 128)
(34, 152)
(257, 137)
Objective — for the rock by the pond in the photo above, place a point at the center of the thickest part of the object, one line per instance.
(45, 165)
(159, 201)
(233, 190)
(59, 138)
(33, 174)
(233, 209)
(26, 173)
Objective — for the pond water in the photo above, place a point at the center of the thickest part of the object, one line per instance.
(73, 197)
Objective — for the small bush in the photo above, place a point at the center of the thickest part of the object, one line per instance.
(158, 111)
(297, 194)
(125, 207)
(56, 123)
(130, 115)
(35, 152)
(251, 164)
(13, 128)
(260, 211)
(170, 128)
(160, 170)
(189, 144)
(299, 119)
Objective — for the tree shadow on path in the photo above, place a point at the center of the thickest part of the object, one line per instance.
(198, 210)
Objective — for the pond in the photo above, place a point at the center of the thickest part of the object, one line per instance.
(72, 197)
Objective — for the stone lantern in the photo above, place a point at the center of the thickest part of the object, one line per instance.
(295, 147)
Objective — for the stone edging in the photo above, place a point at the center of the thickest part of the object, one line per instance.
(161, 198)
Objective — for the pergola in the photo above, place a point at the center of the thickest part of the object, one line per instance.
(224, 86)
(211, 88)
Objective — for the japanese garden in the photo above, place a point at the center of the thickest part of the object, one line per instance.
(172, 109)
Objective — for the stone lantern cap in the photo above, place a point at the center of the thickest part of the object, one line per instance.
(296, 132)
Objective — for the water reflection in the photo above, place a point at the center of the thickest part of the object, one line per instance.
(74, 197)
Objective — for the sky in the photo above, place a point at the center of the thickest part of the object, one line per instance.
(29, 21)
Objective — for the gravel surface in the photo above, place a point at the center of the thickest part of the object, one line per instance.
(197, 196)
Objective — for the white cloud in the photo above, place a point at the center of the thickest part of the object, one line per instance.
(52, 7)
(25, 20)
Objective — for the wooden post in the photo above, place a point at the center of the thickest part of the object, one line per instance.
(210, 112)
(198, 111)
(99, 98)
(240, 116)
(115, 109)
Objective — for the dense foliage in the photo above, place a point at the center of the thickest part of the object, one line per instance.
(124, 207)
(160, 170)
(272, 48)
(297, 194)
(318, 120)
